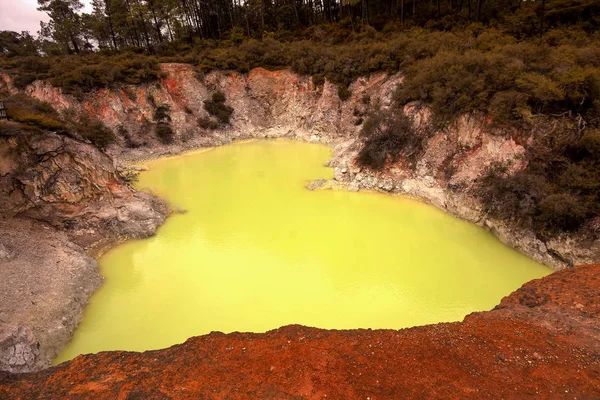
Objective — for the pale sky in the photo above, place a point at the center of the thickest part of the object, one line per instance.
(21, 15)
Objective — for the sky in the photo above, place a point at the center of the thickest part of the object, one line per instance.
(22, 15)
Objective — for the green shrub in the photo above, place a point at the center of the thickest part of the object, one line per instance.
(208, 123)
(40, 120)
(164, 132)
(559, 189)
(95, 131)
(562, 211)
(163, 129)
(389, 136)
(344, 93)
(590, 143)
(162, 113)
(24, 109)
(217, 108)
(79, 74)
(218, 97)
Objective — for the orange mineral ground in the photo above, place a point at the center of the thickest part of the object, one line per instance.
(543, 341)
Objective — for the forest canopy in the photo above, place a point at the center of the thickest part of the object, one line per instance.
(160, 26)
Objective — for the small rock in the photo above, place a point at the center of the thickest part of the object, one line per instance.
(355, 170)
(388, 187)
(353, 187)
(344, 170)
(319, 183)
(19, 349)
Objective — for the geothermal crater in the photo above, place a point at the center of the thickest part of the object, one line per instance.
(256, 250)
(60, 197)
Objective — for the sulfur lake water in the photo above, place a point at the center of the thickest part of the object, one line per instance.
(256, 250)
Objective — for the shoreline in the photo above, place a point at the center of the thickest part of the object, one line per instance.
(101, 249)
(522, 345)
(506, 233)
(109, 242)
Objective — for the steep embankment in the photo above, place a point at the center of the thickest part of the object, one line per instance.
(543, 341)
(281, 103)
(58, 196)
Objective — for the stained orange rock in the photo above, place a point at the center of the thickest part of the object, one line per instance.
(543, 341)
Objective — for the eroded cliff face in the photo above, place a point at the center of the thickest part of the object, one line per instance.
(283, 104)
(73, 187)
(58, 197)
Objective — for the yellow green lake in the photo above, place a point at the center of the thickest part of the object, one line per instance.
(256, 250)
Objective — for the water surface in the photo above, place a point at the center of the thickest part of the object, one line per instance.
(256, 251)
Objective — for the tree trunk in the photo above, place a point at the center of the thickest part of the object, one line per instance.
(154, 17)
(542, 16)
(402, 13)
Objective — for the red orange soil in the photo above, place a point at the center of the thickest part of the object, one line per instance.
(543, 341)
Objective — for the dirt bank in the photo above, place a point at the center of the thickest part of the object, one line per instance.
(543, 341)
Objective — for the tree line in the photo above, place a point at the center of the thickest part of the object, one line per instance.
(153, 25)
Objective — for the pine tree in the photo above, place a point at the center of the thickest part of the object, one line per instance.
(64, 26)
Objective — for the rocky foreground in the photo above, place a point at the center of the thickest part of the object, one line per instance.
(58, 197)
(543, 341)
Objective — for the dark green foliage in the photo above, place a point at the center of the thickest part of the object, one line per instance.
(94, 131)
(217, 108)
(124, 133)
(10, 128)
(218, 97)
(562, 211)
(508, 80)
(22, 108)
(33, 113)
(78, 75)
(163, 128)
(558, 191)
(389, 136)
(208, 123)
(162, 113)
(14, 44)
(344, 93)
(164, 132)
